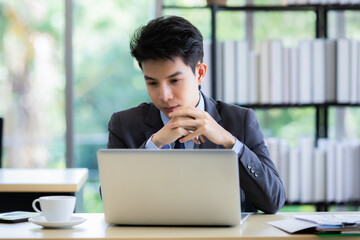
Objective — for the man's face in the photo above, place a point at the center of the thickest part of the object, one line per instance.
(171, 84)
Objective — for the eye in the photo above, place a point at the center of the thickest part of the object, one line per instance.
(151, 83)
(174, 80)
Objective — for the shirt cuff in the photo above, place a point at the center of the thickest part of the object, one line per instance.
(238, 147)
(150, 145)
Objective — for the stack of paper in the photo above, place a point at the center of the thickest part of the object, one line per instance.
(321, 223)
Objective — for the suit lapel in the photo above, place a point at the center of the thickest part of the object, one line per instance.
(210, 107)
(153, 121)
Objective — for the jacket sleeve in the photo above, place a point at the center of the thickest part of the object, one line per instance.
(259, 178)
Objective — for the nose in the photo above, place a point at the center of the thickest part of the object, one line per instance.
(165, 92)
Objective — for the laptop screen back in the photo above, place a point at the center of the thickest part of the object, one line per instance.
(177, 187)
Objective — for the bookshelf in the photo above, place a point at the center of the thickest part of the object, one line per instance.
(321, 12)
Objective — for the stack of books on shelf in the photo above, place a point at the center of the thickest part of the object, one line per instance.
(327, 173)
(304, 2)
(313, 72)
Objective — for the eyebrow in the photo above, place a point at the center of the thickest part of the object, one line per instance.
(170, 76)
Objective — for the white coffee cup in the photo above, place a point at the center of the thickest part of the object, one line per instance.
(56, 208)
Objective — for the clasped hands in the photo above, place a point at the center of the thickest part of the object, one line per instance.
(189, 123)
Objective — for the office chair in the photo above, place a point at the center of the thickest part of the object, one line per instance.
(1, 135)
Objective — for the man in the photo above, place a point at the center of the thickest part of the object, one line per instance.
(169, 51)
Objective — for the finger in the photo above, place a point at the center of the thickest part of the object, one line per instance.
(187, 128)
(190, 136)
(183, 140)
(177, 120)
(178, 133)
(187, 123)
(186, 112)
(195, 140)
(202, 138)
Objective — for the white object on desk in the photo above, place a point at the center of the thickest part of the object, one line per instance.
(56, 208)
(41, 221)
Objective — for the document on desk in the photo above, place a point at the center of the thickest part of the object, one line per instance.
(294, 225)
(331, 219)
(320, 223)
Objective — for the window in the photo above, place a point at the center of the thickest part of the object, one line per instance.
(32, 83)
(32, 80)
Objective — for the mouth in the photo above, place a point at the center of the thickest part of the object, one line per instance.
(170, 109)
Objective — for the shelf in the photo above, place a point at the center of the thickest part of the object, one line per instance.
(290, 8)
(334, 7)
(332, 104)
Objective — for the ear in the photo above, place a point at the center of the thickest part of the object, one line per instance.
(201, 69)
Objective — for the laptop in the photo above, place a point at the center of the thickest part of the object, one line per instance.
(179, 187)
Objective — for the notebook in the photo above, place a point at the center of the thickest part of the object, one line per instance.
(176, 187)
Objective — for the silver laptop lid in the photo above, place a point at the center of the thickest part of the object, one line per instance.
(177, 187)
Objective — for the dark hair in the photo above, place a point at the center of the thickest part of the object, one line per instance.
(166, 38)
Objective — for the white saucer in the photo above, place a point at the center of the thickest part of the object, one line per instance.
(41, 221)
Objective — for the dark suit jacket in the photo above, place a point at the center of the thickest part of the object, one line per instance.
(259, 179)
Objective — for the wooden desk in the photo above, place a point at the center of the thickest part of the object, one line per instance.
(95, 228)
(19, 187)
